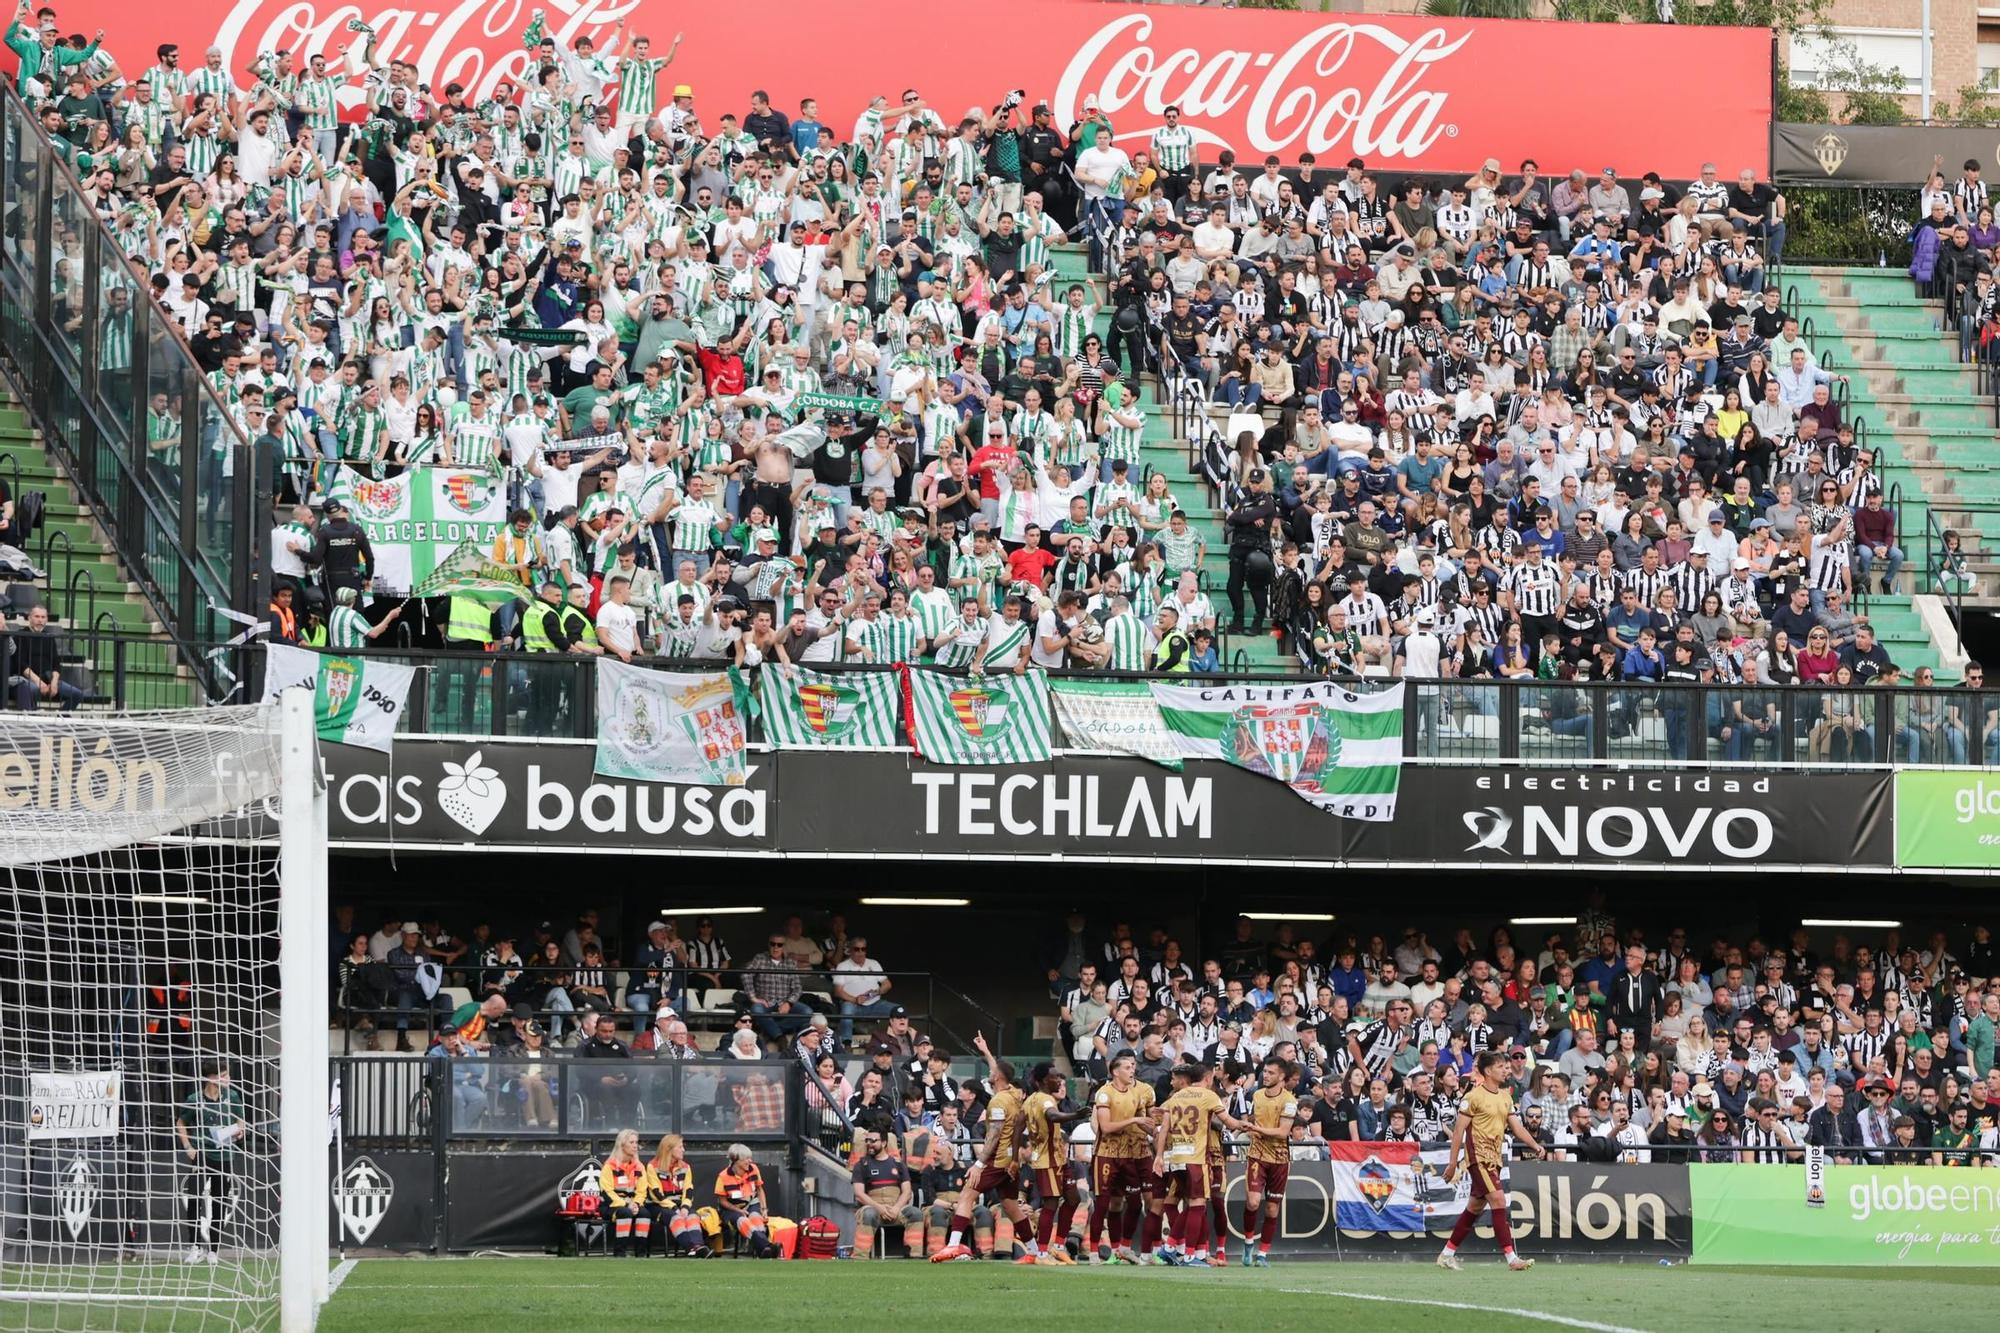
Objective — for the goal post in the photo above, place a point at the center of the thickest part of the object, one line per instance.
(164, 1067)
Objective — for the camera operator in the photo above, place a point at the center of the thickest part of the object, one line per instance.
(1249, 524)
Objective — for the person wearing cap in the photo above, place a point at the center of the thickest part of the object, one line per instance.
(44, 55)
(658, 969)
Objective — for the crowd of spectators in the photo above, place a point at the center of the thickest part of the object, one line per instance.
(1626, 1044)
(766, 388)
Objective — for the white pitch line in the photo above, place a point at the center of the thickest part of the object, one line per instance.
(339, 1275)
(1546, 1318)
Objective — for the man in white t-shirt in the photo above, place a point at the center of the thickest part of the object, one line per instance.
(617, 622)
(1101, 170)
(858, 984)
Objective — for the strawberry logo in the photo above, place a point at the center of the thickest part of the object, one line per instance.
(471, 795)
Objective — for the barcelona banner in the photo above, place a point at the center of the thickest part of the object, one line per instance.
(416, 520)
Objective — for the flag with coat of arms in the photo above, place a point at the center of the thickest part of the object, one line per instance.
(356, 700)
(809, 710)
(415, 521)
(978, 719)
(1337, 748)
(1394, 1187)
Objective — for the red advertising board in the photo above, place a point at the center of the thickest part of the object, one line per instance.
(1407, 93)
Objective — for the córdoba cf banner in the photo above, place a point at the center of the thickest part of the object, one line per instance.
(1117, 716)
(806, 710)
(978, 719)
(670, 726)
(1340, 750)
(356, 700)
(1394, 1187)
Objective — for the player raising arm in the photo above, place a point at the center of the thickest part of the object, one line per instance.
(996, 1163)
(1485, 1118)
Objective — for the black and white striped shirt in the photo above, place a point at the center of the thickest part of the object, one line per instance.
(1863, 1047)
(1537, 588)
(710, 955)
(1646, 585)
(1829, 564)
(1691, 585)
(1380, 1044)
(1766, 1146)
(1366, 614)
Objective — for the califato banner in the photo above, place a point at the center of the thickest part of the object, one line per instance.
(1948, 819)
(542, 796)
(1403, 93)
(1873, 1216)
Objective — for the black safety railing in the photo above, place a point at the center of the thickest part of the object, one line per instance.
(1484, 720)
(511, 1093)
(1848, 224)
(105, 666)
(381, 1003)
(108, 377)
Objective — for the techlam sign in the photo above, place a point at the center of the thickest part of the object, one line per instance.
(1404, 93)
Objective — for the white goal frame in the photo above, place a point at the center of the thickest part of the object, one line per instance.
(301, 1071)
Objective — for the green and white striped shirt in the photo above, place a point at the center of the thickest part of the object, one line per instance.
(960, 643)
(887, 638)
(1130, 643)
(1004, 641)
(1173, 149)
(1121, 441)
(933, 611)
(694, 523)
(1072, 327)
(316, 99)
(476, 443)
(347, 628)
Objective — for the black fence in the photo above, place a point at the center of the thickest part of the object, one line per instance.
(559, 996)
(507, 1095)
(544, 696)
(1849, 224)
(106, 666)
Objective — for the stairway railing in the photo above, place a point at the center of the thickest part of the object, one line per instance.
(90, 354)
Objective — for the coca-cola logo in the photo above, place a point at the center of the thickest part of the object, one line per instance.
(1323, 90)
(446, 46)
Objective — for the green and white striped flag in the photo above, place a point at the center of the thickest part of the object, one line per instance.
(811, 710)
(1119, 716)
(978, 719)
(356, 700)
(1339, 750)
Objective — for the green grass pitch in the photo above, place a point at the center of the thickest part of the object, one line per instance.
(603, 1295)
(546, 1295)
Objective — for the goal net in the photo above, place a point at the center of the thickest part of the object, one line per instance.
(162, 1020)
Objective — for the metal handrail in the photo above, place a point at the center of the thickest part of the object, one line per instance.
(185, 632)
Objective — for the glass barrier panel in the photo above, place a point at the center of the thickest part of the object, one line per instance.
(71, 220)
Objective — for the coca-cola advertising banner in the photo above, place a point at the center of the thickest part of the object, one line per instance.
(1416, 94)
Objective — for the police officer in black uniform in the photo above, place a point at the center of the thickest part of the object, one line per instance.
(1249, 524)
(341, 551)
(1042, 154)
